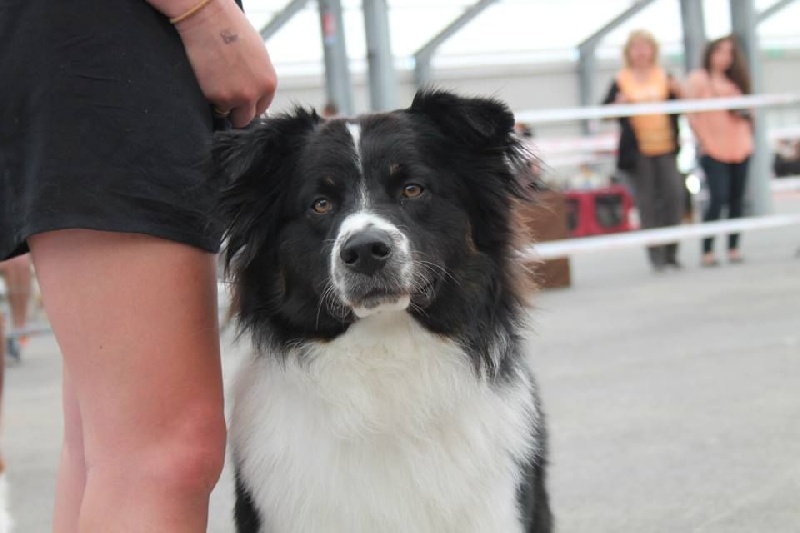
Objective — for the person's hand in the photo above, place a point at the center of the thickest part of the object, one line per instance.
(675, 87)
(229, 60)
(697, 85)
(622, 99)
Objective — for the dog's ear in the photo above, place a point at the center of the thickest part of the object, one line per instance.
(492, 162)
(476, 123)
(255, 165)
(483, 130)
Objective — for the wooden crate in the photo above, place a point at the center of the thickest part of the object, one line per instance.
(545, 219)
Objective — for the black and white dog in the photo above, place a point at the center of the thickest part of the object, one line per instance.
(372, 262)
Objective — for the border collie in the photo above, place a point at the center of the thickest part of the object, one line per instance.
(372, 265)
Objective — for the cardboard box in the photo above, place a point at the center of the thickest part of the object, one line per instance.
(545, 219)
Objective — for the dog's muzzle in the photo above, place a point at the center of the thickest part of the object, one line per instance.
(371, 265)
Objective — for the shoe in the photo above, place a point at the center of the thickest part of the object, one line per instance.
(709, 263)
(14, 350)
(735, 259)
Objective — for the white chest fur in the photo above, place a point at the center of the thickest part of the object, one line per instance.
(384, 429)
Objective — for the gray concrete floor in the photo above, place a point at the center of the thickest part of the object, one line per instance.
(673, 400)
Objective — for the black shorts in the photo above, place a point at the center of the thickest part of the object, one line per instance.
(102, 125)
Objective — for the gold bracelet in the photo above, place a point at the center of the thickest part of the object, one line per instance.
(191, 12)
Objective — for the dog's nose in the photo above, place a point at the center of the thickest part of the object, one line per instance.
(367, 251)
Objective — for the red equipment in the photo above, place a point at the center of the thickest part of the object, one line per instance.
(599, 211)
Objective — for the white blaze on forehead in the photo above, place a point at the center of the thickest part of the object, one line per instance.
(355, 133)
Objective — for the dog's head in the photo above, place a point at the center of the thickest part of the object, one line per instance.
(329, 222)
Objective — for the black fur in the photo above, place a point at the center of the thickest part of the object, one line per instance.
(245, 515)
(532, 496)
(464, 153)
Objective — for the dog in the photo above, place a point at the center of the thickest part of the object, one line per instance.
(372, 264)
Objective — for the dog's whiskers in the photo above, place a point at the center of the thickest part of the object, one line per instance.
(431, 267)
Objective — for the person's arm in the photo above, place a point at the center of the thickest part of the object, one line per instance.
(611, 95)
(696, 85)
(227, 54)
(675, 92)
(675, 88)
(174, 8)
(697, 88)
(615, 95)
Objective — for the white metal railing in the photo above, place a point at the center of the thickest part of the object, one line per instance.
(653, 237)
(650, 237)
(572, 114)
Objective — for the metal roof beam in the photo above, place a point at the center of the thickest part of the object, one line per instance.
(282, 17)
(772, 10)
(422, 57)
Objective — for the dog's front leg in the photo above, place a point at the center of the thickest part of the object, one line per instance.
(245, 514)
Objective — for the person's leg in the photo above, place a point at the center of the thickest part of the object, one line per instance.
(738, 173)
(646, 200)
(71, 480)
(2, 400)
(2, 379)
(136, 321)
(18, 281)
(671, 200)
(17, 272)
(717, 182)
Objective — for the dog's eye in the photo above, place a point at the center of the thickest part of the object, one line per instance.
(322, 206)
(412, 190)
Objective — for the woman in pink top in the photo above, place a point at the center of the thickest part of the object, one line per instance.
(725, 137)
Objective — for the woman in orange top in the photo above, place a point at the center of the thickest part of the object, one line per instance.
(725, 137)
(648, 144)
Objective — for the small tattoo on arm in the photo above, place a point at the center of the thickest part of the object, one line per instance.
(228, 36)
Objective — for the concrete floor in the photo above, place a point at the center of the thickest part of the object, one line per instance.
(673, 400)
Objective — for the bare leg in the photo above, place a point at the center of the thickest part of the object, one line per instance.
(136, 321)
(18, 280)
(2, 378)
(71, 480)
